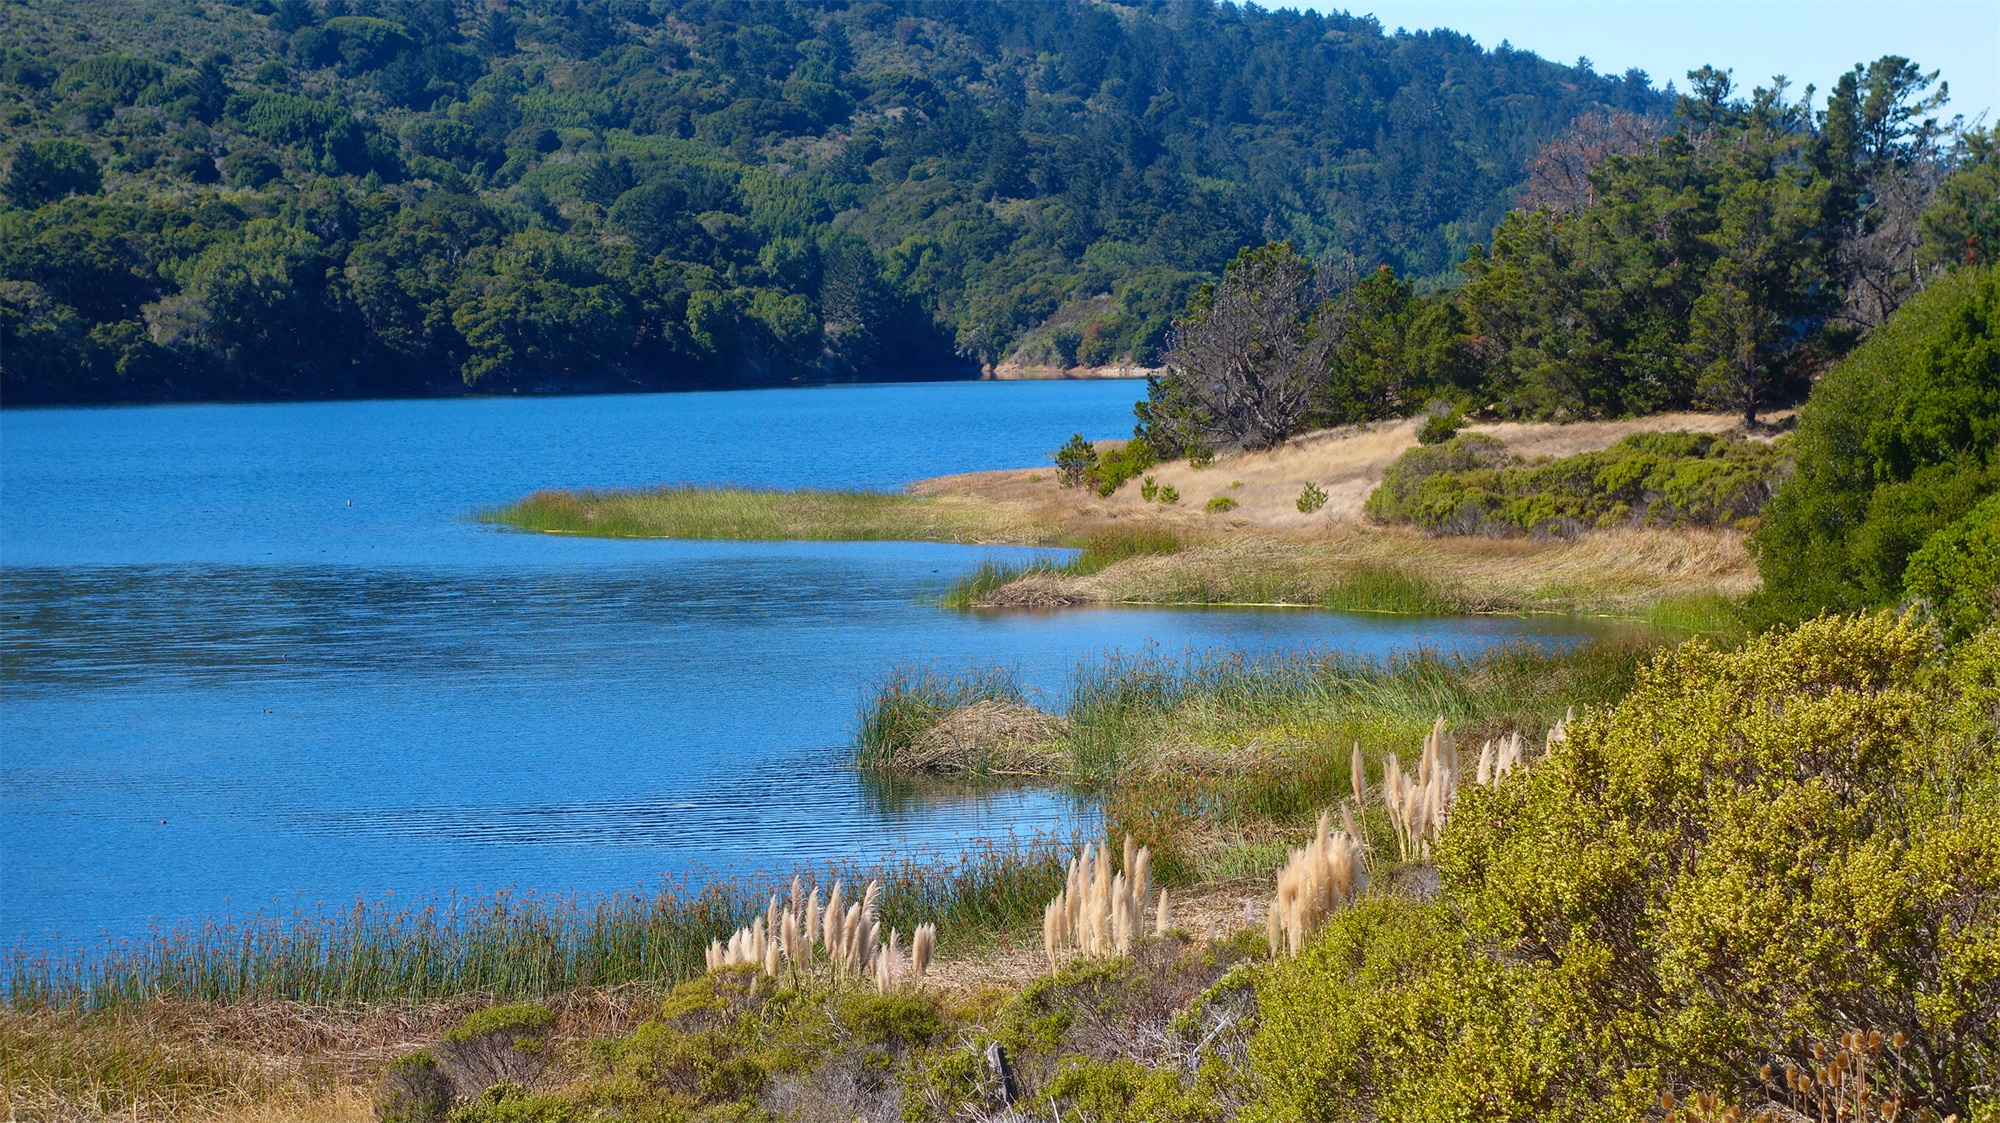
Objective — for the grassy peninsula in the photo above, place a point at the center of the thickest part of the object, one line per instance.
(742, 513)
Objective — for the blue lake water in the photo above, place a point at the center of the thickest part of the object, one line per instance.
(256, 656)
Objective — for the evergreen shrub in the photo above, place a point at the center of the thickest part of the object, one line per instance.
(1754, 851)
(1897, 442)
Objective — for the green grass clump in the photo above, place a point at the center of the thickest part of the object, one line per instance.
(1387, 588)
(1471, 485)
(1752, 852)
(747, 514)
(908, 702)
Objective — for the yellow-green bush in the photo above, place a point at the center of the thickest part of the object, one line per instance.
(1471, 485)
(1753, 851)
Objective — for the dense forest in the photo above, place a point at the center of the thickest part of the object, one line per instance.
(1721, 258)
(255, 198)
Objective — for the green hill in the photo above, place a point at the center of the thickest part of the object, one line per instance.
(278, 199)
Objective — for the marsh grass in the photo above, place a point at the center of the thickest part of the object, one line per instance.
(514, 945)
(1711, 615)
(909, 702)
(760, 515)
(1192, 755)
(1389, 588)
(1100, 550)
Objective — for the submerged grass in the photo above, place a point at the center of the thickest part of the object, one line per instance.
(747, 514)
(515, 945)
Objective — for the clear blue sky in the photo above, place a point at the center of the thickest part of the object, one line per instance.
(1808, 41)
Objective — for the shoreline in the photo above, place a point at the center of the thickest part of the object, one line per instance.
(1260, 553)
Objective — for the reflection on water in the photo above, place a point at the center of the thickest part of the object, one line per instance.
(224, 687)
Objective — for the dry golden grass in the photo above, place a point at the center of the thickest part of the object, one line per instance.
(1265, 551)
(1615, 572)
(249, 1062)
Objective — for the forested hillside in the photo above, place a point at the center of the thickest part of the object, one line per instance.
(253, 198)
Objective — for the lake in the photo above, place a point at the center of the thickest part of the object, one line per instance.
(258, 657)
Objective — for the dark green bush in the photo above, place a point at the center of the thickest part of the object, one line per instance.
(414, 1090)
(1896, 443)
(1955, 578)
(1470, 485)
(1752, 852)
(1440, 425)
(43, 171)
(1076, 462)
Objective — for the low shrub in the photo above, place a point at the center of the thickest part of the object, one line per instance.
(497, 1045)
(415, 1089)
(1220, 504)
(1754, 851)
(1123, 463)
(1441, 424)
(1311, 498)
(1471, 485)
(1169, 494)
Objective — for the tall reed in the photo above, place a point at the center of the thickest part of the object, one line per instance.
(515, 944)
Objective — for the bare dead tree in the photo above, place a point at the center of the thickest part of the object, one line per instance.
(1243, 357)
(1878, 259)
(1559, 175)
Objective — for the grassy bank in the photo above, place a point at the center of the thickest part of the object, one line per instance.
(1664, 577)
(511, 945)
(757, 515)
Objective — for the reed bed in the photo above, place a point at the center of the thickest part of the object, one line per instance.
(514, 945)
(1212, 761)
(688, 511)
(909, 702)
